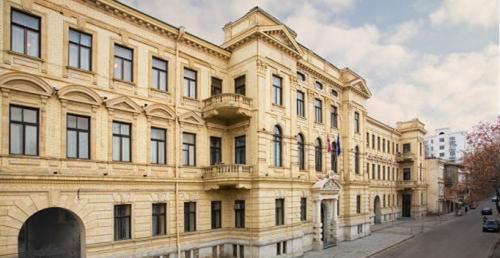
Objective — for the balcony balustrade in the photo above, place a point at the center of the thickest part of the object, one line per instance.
(406, 157)
(224, 176)
(227, 108)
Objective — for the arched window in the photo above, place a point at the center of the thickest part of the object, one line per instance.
(277, 146)
(302, 152)
(356, 160)
(333, 154)
(318, 160)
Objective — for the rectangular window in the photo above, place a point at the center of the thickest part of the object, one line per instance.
(24, 123)
(406, 173)
(189, 216)
(383, 145)
(239, 213)
(216, 214)
(77, 136)
(318, 85)
(158, 146)
(215, 150)
(188, 149)
(334, 117)
(239, 85)
(334, 93)
(358, 204)
(25, 33)
(373, 171)
(303, 209)
(240, 149)
(318, 111)
(378, 172)
(80, 50)
(159, 74)
(190, 83)
(159, 217)
(281, 248)
(122, 215)
(406, 148)
(360, 228)
(378, 142)
(124, 58)
(122, 150)
(356, 122)
(301, 77)
(277, 90)
(301, 104)
(383, 172)
(373, 141)
(216, 87)
(367, 140)
(280, 211)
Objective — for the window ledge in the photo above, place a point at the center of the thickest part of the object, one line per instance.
(128, 83)
(159, 91)
(34, 58)
(76, 69)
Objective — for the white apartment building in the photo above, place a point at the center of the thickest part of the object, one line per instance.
(446, 144)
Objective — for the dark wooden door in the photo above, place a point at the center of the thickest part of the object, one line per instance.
(406, 205)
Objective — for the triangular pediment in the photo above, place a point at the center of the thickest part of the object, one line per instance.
(280, 34)
(361, 86)
(160, 111)
(124, 104)
(326, 184)
(191, 118)
(79, 94)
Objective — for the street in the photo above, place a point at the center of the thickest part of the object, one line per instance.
(461, 238)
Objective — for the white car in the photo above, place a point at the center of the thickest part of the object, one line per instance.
(494, 199)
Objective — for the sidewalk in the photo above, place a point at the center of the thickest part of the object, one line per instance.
(383, 236)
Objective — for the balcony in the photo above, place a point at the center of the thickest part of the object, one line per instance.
(406, 157)
(227, 108)
(406, 184)
(227, 177)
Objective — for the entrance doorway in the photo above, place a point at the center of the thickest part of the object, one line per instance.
(376, 210)
(406, 205)
(52, 232)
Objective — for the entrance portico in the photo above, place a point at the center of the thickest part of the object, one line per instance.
(325, 194)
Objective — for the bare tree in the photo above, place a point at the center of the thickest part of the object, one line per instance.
(483, 159)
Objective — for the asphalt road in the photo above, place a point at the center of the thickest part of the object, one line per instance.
(461, 238)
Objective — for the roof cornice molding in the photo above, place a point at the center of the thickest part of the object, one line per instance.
(302, 64)
(140, 19)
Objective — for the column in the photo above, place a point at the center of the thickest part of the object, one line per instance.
(317, 244)
(334, 221)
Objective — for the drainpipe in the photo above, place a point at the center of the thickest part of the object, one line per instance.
(176, 139)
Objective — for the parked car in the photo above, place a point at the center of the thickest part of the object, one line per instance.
(487, 211)
(491, 226)
(494, 199)
(473, 205)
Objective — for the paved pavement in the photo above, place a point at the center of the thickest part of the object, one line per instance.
(460, 238)
(383, 236)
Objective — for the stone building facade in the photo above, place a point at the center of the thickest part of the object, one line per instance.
(123, 136)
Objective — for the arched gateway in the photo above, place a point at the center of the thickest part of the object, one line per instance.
(52, 232)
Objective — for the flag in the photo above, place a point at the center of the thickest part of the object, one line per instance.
(338, 150)
(329, 147)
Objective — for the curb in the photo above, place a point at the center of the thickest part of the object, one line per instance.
(390, 246)
(494, 248)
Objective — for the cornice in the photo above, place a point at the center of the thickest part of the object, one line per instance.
(302, 64)
(126, 13)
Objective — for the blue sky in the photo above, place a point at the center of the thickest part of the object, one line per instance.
(438, 60)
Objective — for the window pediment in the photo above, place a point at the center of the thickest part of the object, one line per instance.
(191, 118)
(123, 104)
(80, 94)
(23, 82)
(160, 111)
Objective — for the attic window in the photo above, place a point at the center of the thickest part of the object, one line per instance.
(335, 93)
(318, 85)
(301, 76)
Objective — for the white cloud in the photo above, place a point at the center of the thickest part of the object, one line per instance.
(455, 90)
(404, 32)
(483, 13)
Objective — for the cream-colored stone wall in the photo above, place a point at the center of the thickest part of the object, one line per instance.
(257, 46)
